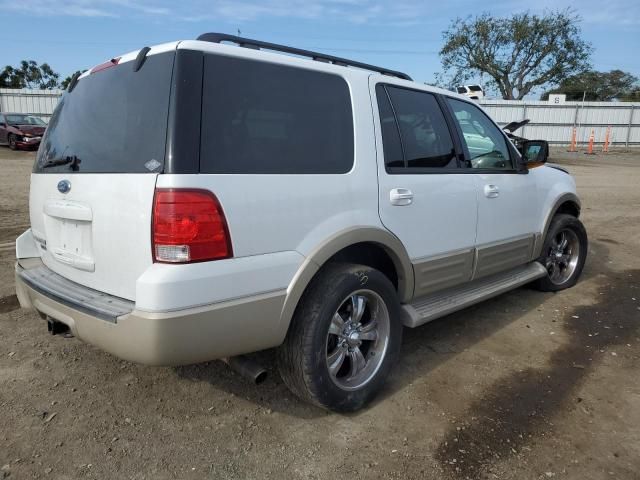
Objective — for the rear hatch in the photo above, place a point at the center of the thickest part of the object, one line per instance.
(93, 182)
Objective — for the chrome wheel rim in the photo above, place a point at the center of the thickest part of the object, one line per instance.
(562, 256)
(357, 339)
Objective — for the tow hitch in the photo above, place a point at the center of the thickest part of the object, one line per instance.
(57, 328)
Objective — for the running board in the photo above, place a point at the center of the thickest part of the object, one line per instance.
(442, 303)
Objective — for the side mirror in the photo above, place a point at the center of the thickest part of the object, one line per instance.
(535, 151)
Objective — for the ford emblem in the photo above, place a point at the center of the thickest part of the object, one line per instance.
(64, 186)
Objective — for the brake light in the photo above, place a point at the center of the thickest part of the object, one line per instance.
(103, 66)
(188, 226)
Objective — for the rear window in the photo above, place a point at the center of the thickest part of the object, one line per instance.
(114, 121)
(264, 118)
(475, 88)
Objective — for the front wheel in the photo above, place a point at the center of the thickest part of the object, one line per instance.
(12, 142)
(344, 338)
(563, 253)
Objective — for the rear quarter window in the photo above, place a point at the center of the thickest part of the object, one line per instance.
(265, 118)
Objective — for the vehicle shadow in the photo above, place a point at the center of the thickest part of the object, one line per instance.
(424, 348)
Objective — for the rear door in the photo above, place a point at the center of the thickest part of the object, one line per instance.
(424, 197)
(508, 206)
(93, 181)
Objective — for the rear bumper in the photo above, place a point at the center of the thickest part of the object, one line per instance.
(158, 338)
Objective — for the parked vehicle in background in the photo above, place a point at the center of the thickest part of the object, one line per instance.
(474, 92)
(19, 130)
(241, 200)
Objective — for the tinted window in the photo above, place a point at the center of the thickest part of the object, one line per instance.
(426, 140)
(485, 142)
(114, 120)
(259, 117)
(475, 88)
(393, 157)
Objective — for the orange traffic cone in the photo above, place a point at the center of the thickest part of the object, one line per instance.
(591, 140)
(605, 147)
(572, 147)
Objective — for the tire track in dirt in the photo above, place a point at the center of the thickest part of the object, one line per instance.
(518, 409)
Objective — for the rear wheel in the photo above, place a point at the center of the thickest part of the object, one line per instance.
(12, 142)
(344, 339)
(563, 254)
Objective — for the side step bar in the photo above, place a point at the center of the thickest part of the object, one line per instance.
(442, 303)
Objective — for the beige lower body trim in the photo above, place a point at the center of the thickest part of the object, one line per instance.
(456, 268)
(177, 338)
(504, 255)
(443, 271)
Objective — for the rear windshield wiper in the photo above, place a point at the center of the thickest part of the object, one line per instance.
(73, 160)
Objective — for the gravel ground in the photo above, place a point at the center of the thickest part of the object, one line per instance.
(524, 386)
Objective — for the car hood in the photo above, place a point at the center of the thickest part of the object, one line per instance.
(30, 129)
(513, 126)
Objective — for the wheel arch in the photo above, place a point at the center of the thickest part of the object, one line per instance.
(349, 245)
(568, 203)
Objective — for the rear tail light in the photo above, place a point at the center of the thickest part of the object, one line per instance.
(188, 226)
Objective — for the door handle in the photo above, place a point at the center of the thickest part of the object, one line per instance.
(491, 191)
(401, 196)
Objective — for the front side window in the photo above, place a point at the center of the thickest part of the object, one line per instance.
(485, 142)
(264, 118)
(417, 119)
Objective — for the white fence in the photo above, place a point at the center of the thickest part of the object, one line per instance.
(551, 122)
(555, 122)
(35, 102)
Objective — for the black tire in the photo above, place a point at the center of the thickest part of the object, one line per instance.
(575, 229)
(12, 142)
(303, 359)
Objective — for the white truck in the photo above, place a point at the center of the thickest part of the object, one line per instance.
(199, 200)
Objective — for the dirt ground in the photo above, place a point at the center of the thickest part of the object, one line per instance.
(524, 386)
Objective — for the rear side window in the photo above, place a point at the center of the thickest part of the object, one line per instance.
(264, 118)
(424, 136)
(113, 121)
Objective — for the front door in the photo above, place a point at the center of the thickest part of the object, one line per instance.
(424, 198)
(507, 200)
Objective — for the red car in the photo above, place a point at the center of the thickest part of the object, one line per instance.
(19, 130)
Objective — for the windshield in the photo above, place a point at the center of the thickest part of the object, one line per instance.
(17, 119)
(113, 121)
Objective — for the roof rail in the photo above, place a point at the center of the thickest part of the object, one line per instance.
(320, 57)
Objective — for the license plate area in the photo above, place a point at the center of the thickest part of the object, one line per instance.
(69, 242)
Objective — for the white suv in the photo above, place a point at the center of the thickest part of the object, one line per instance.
(198, 200)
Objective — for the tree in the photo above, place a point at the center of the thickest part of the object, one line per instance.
(596, 86)
(65, 83)
(29, 75)
(519, 53)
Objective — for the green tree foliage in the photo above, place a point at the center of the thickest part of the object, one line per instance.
(29, 75)
(65, 83)
(519, 54)
(598, 86)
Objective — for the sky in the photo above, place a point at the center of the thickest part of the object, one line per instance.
(403, 35)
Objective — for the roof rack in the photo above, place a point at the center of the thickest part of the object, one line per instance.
(320, 57)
